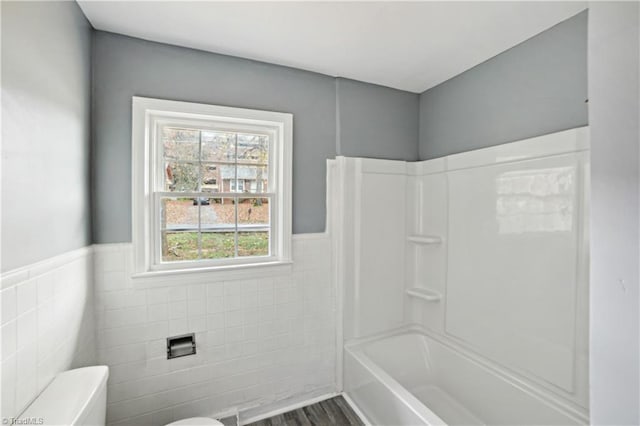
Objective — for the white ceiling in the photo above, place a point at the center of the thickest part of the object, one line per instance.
(406, 45)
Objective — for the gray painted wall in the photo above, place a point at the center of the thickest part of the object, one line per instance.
(535, 88)
(46, 80)
(614, 108)
(124, 67)
(376, 121)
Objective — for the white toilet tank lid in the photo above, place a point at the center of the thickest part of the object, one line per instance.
(68, 396)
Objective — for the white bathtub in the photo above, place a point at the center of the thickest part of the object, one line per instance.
(409, 378)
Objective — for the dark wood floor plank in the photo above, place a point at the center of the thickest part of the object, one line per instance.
(315, 414)
(348, 411)
(334, 411)
(296, 418)
(278, 420)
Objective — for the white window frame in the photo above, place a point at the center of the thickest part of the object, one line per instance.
(147, 116)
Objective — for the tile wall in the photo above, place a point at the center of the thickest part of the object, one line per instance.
(260, 340)
(47, 325)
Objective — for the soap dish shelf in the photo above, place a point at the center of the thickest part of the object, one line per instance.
(425, 239)
(424, 294)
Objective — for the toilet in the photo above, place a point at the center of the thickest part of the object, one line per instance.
(79, 397)
(74, 397)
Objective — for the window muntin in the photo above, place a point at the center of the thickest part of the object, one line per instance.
(219, 188)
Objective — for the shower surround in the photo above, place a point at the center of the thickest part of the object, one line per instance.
(465, 284)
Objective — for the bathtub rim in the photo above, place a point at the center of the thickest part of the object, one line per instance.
(535, 389)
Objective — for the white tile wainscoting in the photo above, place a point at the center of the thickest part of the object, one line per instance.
(47, 325)
(261, 340)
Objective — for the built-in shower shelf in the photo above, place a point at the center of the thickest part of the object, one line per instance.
(424, 294)
(425, 239)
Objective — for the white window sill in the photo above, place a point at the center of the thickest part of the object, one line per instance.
(217, 273)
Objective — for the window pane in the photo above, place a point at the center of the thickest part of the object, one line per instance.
(210, 178)
(179, 222)
(219, 229)
(253, 227)
(255, 243)
(181, 144)
(227, 177)
(254, 178)
(218, 146)
(253, 149)
(179, 246)
(181, 177)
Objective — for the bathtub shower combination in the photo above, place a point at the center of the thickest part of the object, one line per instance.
(465, 284)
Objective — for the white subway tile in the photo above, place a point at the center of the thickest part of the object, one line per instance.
(233, 288)
(113, 280)
(233, 301)
(9, 369)
(9, 304)
(215, 290)
(215, 337)
(156, 348)
(266, 297)
(45, 289)
(265, 284)
(125, 316)
(163, 417)
(234, 334)
(197, 307)
(46, 371)
(113, 261)
(122, 354)
(197, 292)
(215, 321)
(138, 370)
(177, 293)
(178, 326)
(157, 330)
(197, 324)
(251, 332)
(26, 296)
(123, 336)
(157, 295)
(129, 408)
(46, 343)
(123, 299)
(266, 313)
(215, 305)
(250, 300)
(250, 316)
(159, 312)
(178, 309)
(27, 329)
(27, 385)
(198, 408)
(233, 318)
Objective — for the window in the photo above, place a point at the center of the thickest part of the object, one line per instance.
(237, 185)
(212, 186)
